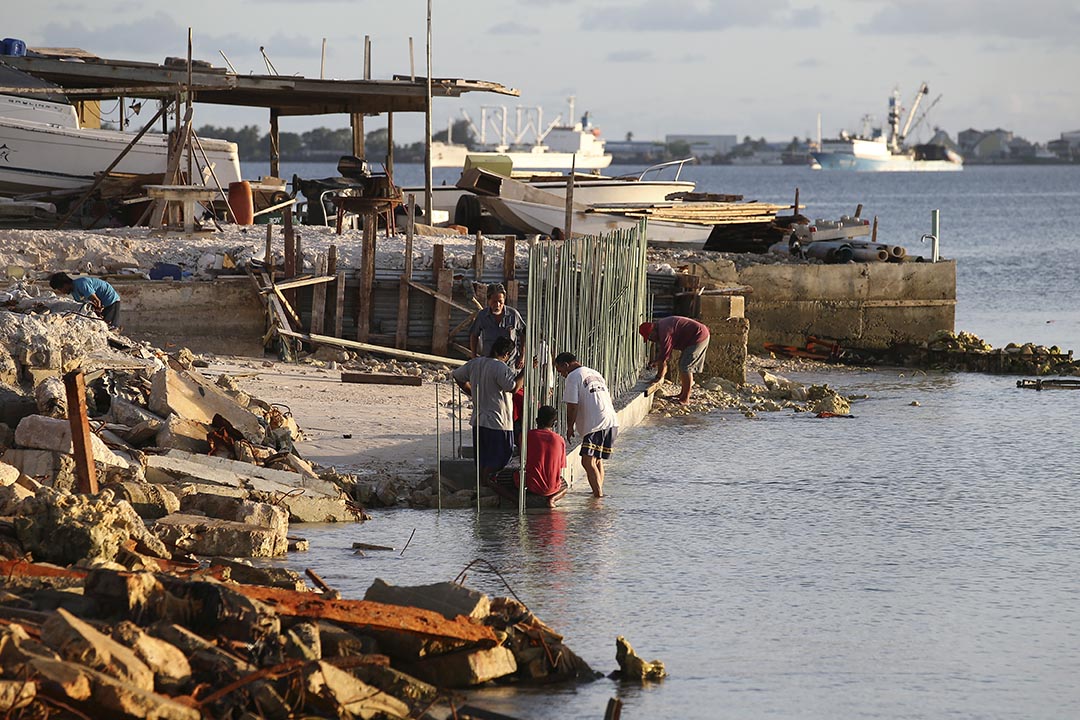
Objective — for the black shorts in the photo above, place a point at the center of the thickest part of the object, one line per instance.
(599, 444)
(111, 314)
(495, 447)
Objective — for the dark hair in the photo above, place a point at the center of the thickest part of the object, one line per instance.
(546, 416)
(565, 358)
(495, 288)
(502, 346)
(59, 281)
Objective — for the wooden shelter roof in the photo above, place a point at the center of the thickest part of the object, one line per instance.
(86, 77)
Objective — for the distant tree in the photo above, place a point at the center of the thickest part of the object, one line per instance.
(629, 137)
(679, 149)
(462, 134)
(793, 145)
(376, 143)
(747, 140)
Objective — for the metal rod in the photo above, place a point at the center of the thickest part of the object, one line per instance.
(438, 448)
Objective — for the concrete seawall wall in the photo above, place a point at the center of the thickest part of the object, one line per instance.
(225, 316)
(868, 305)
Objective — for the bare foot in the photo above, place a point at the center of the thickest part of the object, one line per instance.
(677, 399)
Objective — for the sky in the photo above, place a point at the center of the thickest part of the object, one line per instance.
(764, 68)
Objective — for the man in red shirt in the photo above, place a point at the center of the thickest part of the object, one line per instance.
(683, 334)
(546, 459)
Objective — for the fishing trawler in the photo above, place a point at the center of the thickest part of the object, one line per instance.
(874, 151)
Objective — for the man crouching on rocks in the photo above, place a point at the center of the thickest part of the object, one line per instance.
(491, 383)
(101, 295)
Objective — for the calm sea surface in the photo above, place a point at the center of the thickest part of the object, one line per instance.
(913, 562)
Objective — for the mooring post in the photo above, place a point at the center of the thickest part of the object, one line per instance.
(935, 230)
(81, 439)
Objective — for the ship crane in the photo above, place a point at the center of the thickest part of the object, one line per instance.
(923, 90)
(925, 113)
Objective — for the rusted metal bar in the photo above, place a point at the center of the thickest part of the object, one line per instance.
(81, 438)
(365, 613)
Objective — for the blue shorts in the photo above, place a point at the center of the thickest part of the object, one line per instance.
(599, 444)
(495, 447)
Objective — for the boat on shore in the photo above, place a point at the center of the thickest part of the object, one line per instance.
(559, 146)
(44, 147)
(873, 151)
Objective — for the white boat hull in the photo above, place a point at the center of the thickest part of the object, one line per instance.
(605, 191)
(540, 158)
(36, 157)
(543, 219)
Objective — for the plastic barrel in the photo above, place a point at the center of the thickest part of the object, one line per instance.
(241, 203)
(13, 47)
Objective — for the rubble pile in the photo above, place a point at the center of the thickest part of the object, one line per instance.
(340, 359)
(185, 465)
(776, 394)
(967, 352)
(229, 641)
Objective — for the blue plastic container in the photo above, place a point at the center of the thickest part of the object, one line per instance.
(12, 47)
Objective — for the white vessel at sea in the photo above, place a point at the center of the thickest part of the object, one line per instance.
(873, 151)
(530, 146)
(44, 147)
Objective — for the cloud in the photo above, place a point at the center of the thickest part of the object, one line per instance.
(513, 28)
(158, 36)
(627, 56)
(1056, 20)
(809, 63)
(697, 15)
(691, 58)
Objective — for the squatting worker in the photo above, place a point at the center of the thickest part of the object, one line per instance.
(688, 336)
(495, 321)
(546, 450)
(490, 382)
(100, 294)
(589, 412)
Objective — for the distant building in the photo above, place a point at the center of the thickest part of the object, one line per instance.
(1067, 146)
(706, 147)
(985, 145)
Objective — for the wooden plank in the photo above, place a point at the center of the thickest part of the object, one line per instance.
(322, 277)
(444, 279)
(380, 379)
(81, 439)
(318, 298)
(368, 347)
(367, 279)
(339, 305)
(509, 259)
(290, 254)
(512, 289)
(268, 258)
(401, 338)
(286, 307)
(478, 258)
(442, 297)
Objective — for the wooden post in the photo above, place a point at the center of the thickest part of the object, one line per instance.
(81, 439)
(401, 338)
(290, 254)
(318, 298)
(390, 145)
(796, 210)
(367, 279)
(510, 271)
(333, 321)
(275, 148)
(268, 260)
(444, 284)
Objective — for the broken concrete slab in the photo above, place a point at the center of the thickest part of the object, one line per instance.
(211, 536)
(15, 694)
(9, 474)
(177, 465)
(446, 598)
(302, 642)
(55, 469)
(206, 658)
(632, 667)
(167, 662)
(77, 641)
(267, 576)
(317, 509)
(342, 691)
(151, 501)
(182, 434)
(466, 667)
(46, 433)
(192, 396)
(128, 594)
(128, 413)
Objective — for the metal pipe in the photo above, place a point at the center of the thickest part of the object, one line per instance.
(438, 448)
(935, 230)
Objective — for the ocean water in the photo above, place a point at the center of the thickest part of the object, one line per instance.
(916, 561)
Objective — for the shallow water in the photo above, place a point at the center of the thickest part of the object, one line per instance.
(915, 561)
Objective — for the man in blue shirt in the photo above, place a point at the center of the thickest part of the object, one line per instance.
(100, 294)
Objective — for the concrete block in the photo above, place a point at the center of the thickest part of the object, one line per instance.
(238, 510)
(316, 509)
(77, 641)
(193, 397)
(721, 307)
(166, 661)
(9, 474)
(465, 668)
(128, 413)
(726, 356)
(45, 433)
(445, 598)
(178, 465)
(178, 433)
(341, 691)
(211, 536)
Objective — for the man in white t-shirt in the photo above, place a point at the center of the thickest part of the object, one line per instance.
(590, 412)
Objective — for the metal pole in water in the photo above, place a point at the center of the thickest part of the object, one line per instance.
(438, 448)
(935, 230)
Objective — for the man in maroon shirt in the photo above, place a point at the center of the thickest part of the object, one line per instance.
(546, 459)
(683, 334)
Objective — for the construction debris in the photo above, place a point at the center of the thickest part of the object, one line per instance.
(632, 667)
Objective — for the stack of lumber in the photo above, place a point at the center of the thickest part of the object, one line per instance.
(697, 213)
